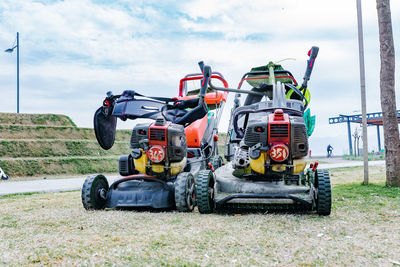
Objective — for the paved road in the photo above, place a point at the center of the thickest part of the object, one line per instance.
(55, 185)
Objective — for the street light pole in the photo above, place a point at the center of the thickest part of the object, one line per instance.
(10, 50)
(17, 72)
(363, 94)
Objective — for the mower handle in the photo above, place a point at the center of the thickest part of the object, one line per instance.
(206, 70)
(198, 76)
(310, 64)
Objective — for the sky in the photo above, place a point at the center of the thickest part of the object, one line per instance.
(73, 52)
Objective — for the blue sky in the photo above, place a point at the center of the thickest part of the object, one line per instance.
(72, 52)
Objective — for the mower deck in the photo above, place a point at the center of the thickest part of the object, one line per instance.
(243, 193)
(140, 192)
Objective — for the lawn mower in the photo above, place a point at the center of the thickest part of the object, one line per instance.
(167, 153)
(267, 142)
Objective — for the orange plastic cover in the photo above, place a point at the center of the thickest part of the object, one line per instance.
(210, 98)
(195, 132)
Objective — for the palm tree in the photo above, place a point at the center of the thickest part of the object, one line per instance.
(388, 98)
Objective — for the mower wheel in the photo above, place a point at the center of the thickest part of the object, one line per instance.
(185, 192)
(205, 194)
(323, 186)
(216, 162)
(94, 192)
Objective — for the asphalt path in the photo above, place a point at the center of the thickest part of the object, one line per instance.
(68, 184)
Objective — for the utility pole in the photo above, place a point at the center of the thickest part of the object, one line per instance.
(17, 72)
(10, 50)
(363, 95)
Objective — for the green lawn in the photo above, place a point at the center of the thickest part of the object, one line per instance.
(53, 228)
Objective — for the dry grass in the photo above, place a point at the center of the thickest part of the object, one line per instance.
(356, 175)
(48, 144)
(48, 229)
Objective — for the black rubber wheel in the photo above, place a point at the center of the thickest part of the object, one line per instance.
(324, 198)
(94, 192)
(205, 194)
(216, 162)
(185, 192)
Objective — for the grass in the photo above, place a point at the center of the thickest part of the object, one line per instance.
(371, 156)
(58, 148)
(54, 132)
(67, 165)
(48, 144)
(356, 175)
(36, 119)
(53, 229)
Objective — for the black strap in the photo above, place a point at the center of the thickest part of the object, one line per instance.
(132, 93)
(195, 114)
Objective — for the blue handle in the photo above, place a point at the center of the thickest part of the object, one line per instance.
(206, 70)
(310, 64)
(201, 65)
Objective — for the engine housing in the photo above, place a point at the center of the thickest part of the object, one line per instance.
(257, 133)
(159, 148)
(277, 144)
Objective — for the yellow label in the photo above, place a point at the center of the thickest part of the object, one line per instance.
(140, 163)
(258, 165)
(299, 165)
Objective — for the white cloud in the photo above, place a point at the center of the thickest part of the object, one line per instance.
(72, 52)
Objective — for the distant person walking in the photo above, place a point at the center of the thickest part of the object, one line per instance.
(329, 150)
(3, 176)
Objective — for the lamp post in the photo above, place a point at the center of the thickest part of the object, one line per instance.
(10, 50)
(363, 95)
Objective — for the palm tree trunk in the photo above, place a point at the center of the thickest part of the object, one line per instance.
(388, 98)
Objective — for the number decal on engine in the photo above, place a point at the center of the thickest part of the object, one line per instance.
(156, 154)
(279, 152)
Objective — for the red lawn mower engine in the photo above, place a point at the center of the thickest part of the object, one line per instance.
(159, 149)
(277, 145)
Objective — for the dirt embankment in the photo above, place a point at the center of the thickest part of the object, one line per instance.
(36, 144)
